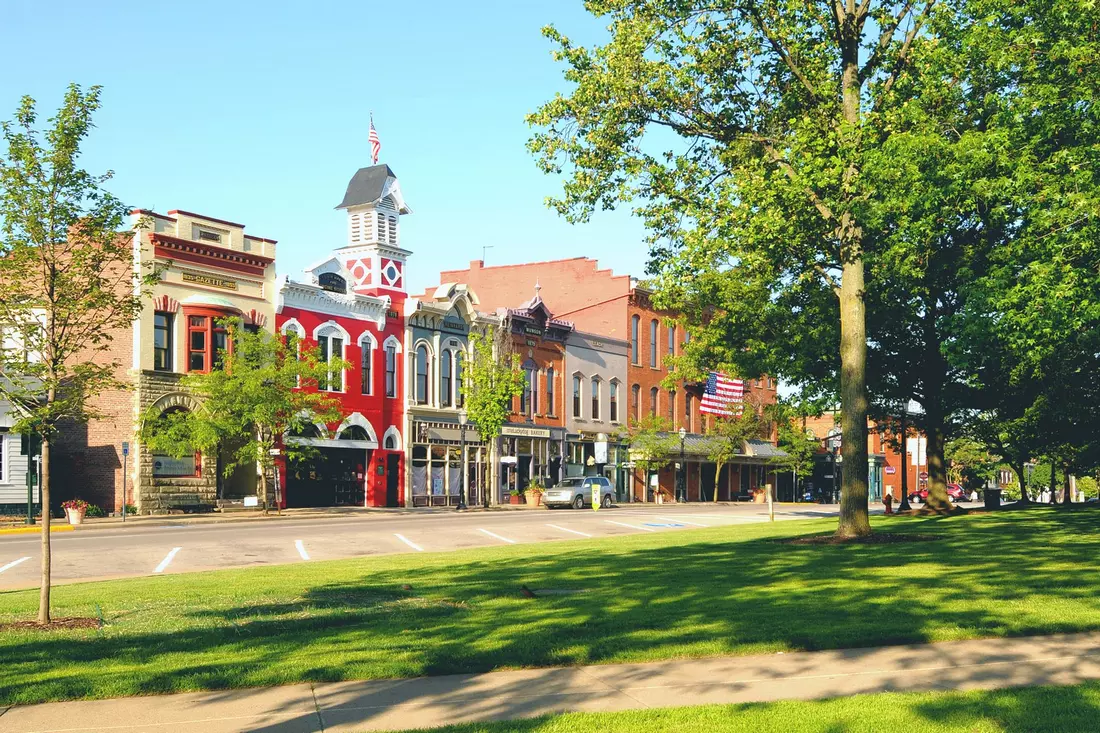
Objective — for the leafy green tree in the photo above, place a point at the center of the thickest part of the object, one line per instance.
(265, 391)
(726, 437)
(792, 436)
(69, 286)
(492, 378)
(652, 444)
(757, 217)
(970, 464)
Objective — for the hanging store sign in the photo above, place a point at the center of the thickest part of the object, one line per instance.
(890, 470)
(213, 282)
(525, 432)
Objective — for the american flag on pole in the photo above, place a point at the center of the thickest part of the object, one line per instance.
(375, 143)
(722, 395)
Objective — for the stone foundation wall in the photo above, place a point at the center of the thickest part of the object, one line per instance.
(157, 494)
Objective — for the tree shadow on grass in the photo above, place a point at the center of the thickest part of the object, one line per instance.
(691, 597)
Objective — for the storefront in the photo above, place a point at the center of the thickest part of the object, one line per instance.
(529, 453)
(597, 454)
(437, 464)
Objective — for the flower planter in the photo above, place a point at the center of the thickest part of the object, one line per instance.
(760, 497)
(76, 516)
(534, 498)
(514, 500)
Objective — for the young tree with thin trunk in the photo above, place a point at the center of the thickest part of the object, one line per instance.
(262, 393)
(727, 435)
(492, 378)
(67, 281)
(741, 130)
(652, 446)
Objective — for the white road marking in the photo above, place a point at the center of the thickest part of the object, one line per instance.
(726, 517)
(631, 526)
(13, 563)
(494, 534)
(409, 542)
(566, 529)
(301, 549)
(167, 560)
(684, 521)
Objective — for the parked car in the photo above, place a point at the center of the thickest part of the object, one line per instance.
(956, 492)
(577, 492)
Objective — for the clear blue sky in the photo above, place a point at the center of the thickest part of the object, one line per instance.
(249, 112)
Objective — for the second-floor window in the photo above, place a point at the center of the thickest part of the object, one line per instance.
(636, 402)
(365, 382)
(460, 395)
(576, 395)
(653, 397)
(671, 339)
(445, 385)
(391, 370)
(671, 407)
(688, 404)
(635, 355)
(207, 343)
(550, 391)
(653, 325)
(526, 405)
(595, 398)
(332, 347)
(422, 374)
(162, 341)
(614, 402)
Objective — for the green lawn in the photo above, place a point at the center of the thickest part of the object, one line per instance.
(673, 594)
(1054, 709)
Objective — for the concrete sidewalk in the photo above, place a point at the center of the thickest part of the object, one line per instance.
(433, 701)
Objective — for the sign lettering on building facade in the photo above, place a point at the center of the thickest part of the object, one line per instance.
(525, 432)
(214, 282)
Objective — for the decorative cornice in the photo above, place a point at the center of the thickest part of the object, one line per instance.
(314, 299)
(169, 247)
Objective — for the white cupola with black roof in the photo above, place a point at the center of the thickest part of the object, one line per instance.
(373, 253)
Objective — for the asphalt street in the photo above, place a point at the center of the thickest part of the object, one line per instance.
(178, 547)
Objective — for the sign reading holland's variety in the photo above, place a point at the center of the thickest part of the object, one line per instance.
(214, 282)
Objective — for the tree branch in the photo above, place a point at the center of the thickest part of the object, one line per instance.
(903, 54)
(783, 53)
(884, 41)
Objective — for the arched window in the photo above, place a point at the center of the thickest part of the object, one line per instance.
(614, 401)
(636, 402)
(422, 374)
(445, 367)
(526, 401)
(672, 407)
(576, 395)
(391, 370)
(460, 395)
(653, 343)
(635, 355)
(366, 356)
(671, 339)
(353, 432)
(331, 340)
(689, 404)
(533, 378)
(305, 430)
(550, 409)
(654, 395)
(390, 442)
(595, 398)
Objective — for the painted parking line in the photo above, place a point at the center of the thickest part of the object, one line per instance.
(497, 536)
(631, 526)
(13, 563)
(301, 549)
(167, 560)
(566, 529)
(684, 521)
(409, 542)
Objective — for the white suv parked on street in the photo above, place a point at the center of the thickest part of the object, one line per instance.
(577, 492)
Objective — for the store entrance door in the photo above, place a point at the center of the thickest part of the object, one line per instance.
(334, 477)
(393, 479)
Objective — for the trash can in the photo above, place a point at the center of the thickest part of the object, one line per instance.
(992, 498)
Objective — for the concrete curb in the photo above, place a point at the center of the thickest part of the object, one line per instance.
(36, 529)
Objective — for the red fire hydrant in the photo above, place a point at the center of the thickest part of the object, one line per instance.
(887, 500)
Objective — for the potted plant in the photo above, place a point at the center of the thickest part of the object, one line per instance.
(534, 492)
(513, 496)
(75, 509)
(759, 495)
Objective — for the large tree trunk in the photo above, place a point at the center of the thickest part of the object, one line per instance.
(1067, 497)
(1053, 498)
(935, 434)
(1020, 468)
(853, 403)
(44, 589)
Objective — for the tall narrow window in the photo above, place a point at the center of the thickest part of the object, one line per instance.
(322, 345)
(366, 354)
(653, 343)
(220, 341)
(460, 394)
(636, 402)
(654, 395)
(196, 343)
(391, 370)
(576, 395)
(445, 366)
(672, 407)
(162, 342)
(614, 402)
(635, 355)
(689, 402)
(331, 347)
(672, 339)
(534, 372)
(550, 391)
(525, 395)
(422, 374)
(595, 398)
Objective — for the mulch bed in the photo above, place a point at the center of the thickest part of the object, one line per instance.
(875, 538)
(58, 624)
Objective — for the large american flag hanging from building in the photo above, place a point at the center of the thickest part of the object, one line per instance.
(375, 143)
(722, 395)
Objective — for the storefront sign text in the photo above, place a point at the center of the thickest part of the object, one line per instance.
(525, 432)
(214, 282)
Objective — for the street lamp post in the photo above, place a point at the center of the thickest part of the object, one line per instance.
(681, 494)
(904, 505)
(462, 451)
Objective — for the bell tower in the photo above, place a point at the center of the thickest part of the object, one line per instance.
(373, 253)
